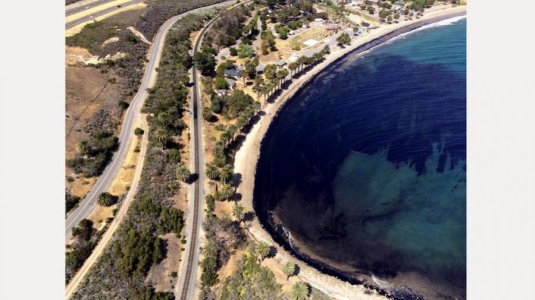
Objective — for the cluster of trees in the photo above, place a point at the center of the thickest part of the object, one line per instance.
(268, 42)
(135, 252)
(343, 39)
(421, 4)
(85, 239)
(229, 27)
(70, 201)
(94, 154)
(122, 268)
(251, 280)
(283, 30)
(250, 31)
(161, 10)
(205, 61)
(274, 77)
(224, 237)
(291, 10)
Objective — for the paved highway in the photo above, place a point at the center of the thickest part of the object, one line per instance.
(101, 185)
(85, 5)
(71, 10)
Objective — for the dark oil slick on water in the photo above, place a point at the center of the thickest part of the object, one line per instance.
(364, 170)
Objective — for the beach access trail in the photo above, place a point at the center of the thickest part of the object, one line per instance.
(247, 156)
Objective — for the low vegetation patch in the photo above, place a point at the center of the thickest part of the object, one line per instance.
(107, 199)
(251, 281)
(71, 201)
(94, 154)
(122, 269)
(85, 239)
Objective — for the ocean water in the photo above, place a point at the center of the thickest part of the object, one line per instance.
(364, 170)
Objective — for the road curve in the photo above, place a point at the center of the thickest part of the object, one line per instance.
(188, 273)
(149, 77)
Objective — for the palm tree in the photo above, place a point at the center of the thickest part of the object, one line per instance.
(225, 174)
(293, 66)
(265, 91)
(256, 107)
(218, 196)
(317, 57)
(262, 250)
(232, 129)
(163, 119)
(242, 74)
(226, 192)
(238, 211)
(182, 173)
(225, 137)
(326, 49)
(300, 291)
(258, 89)
(281, 75)
(212, 172)
(162, 137)
(272, 85)
(300, 62)
(288, 269)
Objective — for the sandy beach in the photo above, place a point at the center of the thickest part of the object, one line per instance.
(248, 154)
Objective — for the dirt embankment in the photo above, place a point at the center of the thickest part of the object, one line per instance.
(91, 104)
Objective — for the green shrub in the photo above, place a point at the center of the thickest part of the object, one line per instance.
(173, 156)
(107, 199)
(233, 51)
(221, 83)
(171, 220)
(138, 131)
(123, 105)
(95, 153)
(70, 201)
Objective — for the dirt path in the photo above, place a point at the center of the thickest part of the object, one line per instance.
(121, 214)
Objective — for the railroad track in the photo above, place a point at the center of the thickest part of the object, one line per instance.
(187, 286)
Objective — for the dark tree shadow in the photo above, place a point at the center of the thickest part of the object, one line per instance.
(297, 270)
(248, 216)
(236, 197)
(272, 252)
(236, 179)
(193, 177)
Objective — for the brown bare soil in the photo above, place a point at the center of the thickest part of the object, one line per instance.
(160, 275)
(100, 214)
(91, 104)
(123, 180)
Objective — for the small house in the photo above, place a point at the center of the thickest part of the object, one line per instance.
(260, 68)
(281, 63)
(232, 73)
(332, 26)
(293, 58)
(231, 83)
(220, 92)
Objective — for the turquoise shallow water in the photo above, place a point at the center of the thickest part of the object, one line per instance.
(366, 166)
